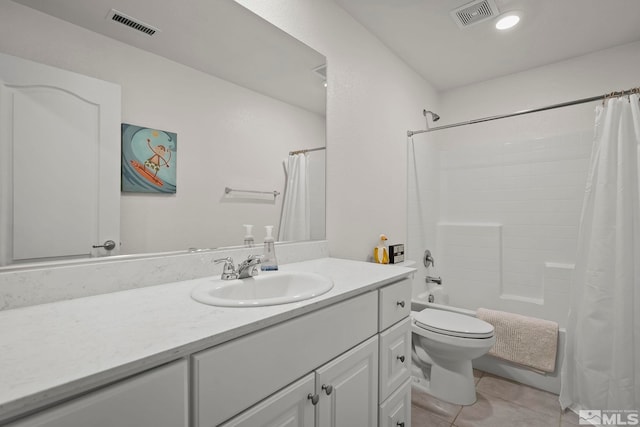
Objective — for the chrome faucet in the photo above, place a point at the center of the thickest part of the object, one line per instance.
(249, 267)
(431, 279)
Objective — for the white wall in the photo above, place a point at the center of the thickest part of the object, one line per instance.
(373, 99)
(227, 135)
(510, 191)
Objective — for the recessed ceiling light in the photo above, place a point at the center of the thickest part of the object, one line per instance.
(507, 20)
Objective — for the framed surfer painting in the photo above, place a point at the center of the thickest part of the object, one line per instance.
(148, 160)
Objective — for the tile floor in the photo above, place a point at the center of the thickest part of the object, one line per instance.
(501, 403)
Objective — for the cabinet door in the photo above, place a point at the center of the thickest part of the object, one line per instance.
(290, 407)
(348, 388)
(396, 410)
(157, 398)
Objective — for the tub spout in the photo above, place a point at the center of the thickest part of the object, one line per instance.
(436, 280)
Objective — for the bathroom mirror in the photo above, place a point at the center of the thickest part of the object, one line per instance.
(239, 93)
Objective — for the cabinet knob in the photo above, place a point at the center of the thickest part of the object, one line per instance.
(314, 398)
(400, 423)
(400, 358)
(400, 303)
(327, 389)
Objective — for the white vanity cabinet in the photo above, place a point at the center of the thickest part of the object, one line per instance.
(229, 378)
(343, 364)
(340, 393)
(349, 364)
(395, 354)
(157, 398)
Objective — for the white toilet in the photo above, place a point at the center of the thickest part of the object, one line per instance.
(444, 344)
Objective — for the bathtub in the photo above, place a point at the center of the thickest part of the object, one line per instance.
(548, 382)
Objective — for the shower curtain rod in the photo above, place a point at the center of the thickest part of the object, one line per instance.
(533, 110)
(291, 153)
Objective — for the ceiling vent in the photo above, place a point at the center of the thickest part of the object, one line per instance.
(134, 23)
(474, 13)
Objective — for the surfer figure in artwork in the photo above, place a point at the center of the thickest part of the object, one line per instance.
(158, 160)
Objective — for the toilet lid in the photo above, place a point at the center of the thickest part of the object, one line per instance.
(455, 324)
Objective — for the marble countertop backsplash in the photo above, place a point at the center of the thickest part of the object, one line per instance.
(22, 286)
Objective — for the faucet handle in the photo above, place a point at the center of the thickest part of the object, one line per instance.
(228, 270)
(227, 261)
(248, 267)
(427, 259)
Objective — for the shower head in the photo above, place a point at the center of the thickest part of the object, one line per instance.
(434, 116)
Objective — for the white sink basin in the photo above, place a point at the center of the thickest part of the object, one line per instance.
(268, 288)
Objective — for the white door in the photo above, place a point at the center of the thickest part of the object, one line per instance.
(60, 163)
(348, 388)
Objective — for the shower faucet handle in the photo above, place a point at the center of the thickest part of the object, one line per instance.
(428, 259)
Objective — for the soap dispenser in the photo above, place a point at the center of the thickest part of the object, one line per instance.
(248, 237)
(269, 261)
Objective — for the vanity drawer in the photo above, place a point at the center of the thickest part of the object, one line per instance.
(396, 411)
(395, 303)
(395, 357)
(235, 375)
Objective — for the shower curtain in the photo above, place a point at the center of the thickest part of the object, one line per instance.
(601, 369)
(295, 222)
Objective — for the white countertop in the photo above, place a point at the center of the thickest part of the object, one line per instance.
(50, 352)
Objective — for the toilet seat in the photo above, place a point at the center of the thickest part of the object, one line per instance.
(453, 324)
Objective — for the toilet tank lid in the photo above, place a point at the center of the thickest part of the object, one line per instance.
(453, 322)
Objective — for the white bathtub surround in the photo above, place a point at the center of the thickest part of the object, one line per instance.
(49, 352)
(524, 340)
(22, 286)
(602, 364)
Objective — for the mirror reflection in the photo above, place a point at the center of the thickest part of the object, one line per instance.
(239, 94)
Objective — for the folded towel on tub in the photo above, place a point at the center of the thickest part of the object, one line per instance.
(524, 340)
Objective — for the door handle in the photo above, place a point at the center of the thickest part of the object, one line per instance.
(108, 245)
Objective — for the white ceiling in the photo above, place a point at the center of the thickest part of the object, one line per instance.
(424, 35)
